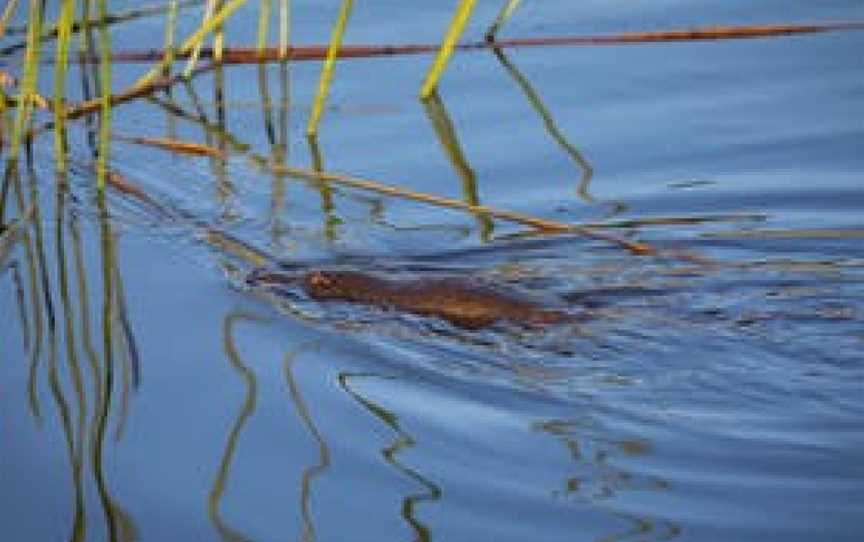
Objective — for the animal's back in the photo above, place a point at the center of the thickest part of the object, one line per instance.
(463, 303)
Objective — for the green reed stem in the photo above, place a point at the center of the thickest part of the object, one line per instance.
(196, 49)
(213, 24)
(105, 97)
(327, 69)
(28, 80)
(64, 36)
(218, 37)
(170, 29)
(263, 25)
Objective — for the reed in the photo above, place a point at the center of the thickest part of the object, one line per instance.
(64, 37)
(104, 98)
(503, 15)
(170, 30)
(327, 68)
(195, 52)
(209, 25)
(263, 24)
(460, 19)
(28, 79)
(284, 28)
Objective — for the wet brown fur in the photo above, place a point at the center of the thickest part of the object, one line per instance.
(460, 302)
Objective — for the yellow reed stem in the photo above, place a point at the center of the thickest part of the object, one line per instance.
(263, 25)
(196, 49)
(218, 38)
(284, 28)
(327, 69)
(193, 39)
(64, 36)
(104, 96)
(170, 29)
(460, 18)
(28, 80)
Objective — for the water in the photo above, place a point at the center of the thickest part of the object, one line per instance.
(713, 392)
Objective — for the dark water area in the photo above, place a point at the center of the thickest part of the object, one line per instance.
(711, 391)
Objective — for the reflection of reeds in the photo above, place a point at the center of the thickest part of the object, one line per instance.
(110, 19)
(55, 329)
(325, 191)
(543, 225)
(537, 104)
(449, 141)
(103, 404)
(277, 137)
(104, 98)
(131, 366)
(313, 471)
(403, 441)
(19, 298)
(74, 444)
(246, 409)
(600, 481)
(64, 35)
(223, 185)
(28, 80)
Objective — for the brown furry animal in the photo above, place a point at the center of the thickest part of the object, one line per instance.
(463, 303)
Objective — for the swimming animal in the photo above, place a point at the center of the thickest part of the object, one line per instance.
(463, 303)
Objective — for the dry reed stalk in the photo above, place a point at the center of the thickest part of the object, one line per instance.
(247, 55)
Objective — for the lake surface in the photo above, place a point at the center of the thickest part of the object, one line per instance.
(712, 391)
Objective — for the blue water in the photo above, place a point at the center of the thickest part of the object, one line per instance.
(710, 392)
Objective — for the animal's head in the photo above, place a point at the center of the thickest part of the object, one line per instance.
(332, 284)
(322, 284)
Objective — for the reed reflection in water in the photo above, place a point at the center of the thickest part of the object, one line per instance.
(57, 340)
